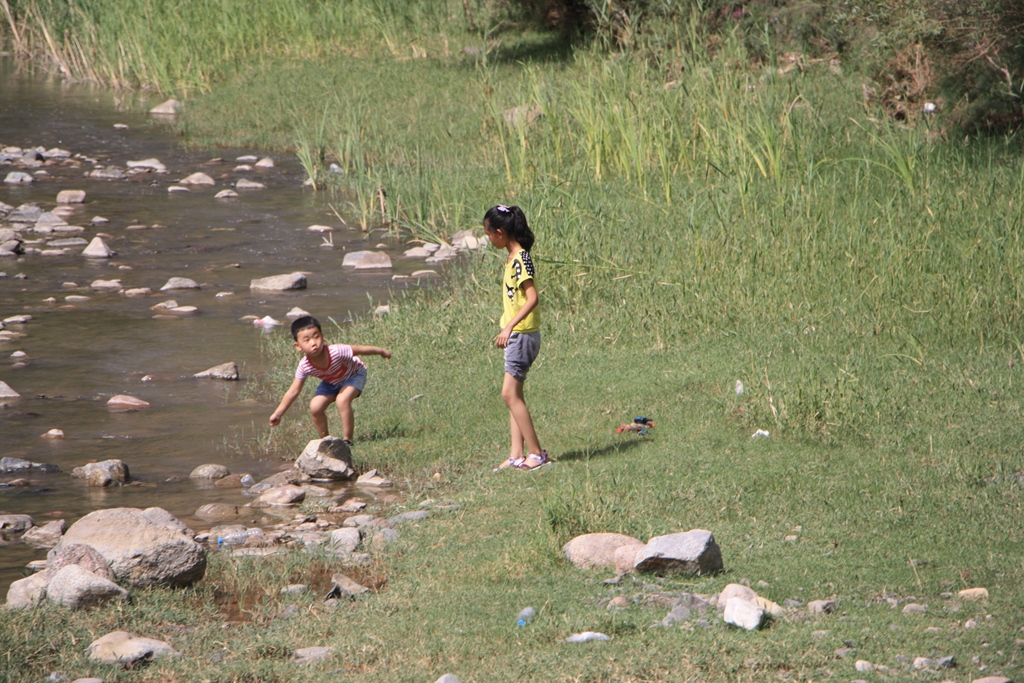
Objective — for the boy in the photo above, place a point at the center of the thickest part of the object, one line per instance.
(338, 367)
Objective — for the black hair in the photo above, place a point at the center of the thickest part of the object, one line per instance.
(512, 221)
(303, 323)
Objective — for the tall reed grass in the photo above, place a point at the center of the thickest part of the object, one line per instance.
(182, 48)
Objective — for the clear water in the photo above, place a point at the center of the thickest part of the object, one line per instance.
(82, 353)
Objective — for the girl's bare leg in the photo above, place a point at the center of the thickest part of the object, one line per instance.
(512, 393)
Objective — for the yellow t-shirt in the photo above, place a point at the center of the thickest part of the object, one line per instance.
(517, 271)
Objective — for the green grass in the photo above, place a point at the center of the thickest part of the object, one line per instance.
(860, 278)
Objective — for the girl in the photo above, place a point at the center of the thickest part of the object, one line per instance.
(506, 227)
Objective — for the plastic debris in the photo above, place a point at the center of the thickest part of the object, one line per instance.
(761, 434)
(739, 387)
(526, 616)
(640, 425)
(586, 637)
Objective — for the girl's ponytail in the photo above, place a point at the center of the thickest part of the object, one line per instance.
(522, 232)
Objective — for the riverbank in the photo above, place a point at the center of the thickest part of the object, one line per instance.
(715, 225)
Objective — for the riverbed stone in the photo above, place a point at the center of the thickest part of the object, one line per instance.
(278, 283)
(46, 536)
(219, 512)
(225, 371)
(76, 587)
(151, 164)
(28, 592)
(124, 649)
(8, 465)
(286, 495)
(597, 549)
(18, 178)
(106, 285)
(71, 196)
(107, 173)
(86, 556)
(15, 524)
(198, 178)
(692, 552)
(366, 260)
(226, 194)
(209, 471)
(327, 459)
(97, 249)
(167, 108)
(344, 586)
(126, 402)
(373, 478)
(105, 473)
(246, 184)
(144, 547)
(235, 480)
(344, 540)
(265, 162)
(179, 283)
(7, 392)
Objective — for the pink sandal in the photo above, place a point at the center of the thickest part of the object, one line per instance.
(514, 463)
(534, 461)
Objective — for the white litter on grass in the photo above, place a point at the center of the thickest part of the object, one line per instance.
(761, 434)
(739, 387)
(586, 637)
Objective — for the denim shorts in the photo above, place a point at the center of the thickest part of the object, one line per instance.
(357, 380)
(520, 352)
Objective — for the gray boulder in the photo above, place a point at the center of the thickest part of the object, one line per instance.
(278, 283)
(228, 371)
(691, 552)
(286, 495)
(85, 556)
(366, 260)
(76, 587)
(97, 249)
(143, 547)
(105, 473)
(28, 592)
(45, 536)
(8, 465)
(327, 459)
(15, 524)
(209, 472)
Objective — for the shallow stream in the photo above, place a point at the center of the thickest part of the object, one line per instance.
(81, 352)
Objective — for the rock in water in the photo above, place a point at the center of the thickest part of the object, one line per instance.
(278, 283)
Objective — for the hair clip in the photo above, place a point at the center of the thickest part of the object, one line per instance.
(503, 208)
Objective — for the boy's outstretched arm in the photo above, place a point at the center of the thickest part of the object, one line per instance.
(286, 402)
(370, 351)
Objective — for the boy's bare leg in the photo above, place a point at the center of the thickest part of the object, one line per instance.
(512, 393)
(317, 410)
(344, 402)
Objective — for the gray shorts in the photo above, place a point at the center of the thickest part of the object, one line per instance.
(520, 352)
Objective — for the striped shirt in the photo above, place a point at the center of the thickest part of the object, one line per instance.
(343, 365)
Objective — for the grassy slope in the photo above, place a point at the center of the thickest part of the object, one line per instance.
(864, 291)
